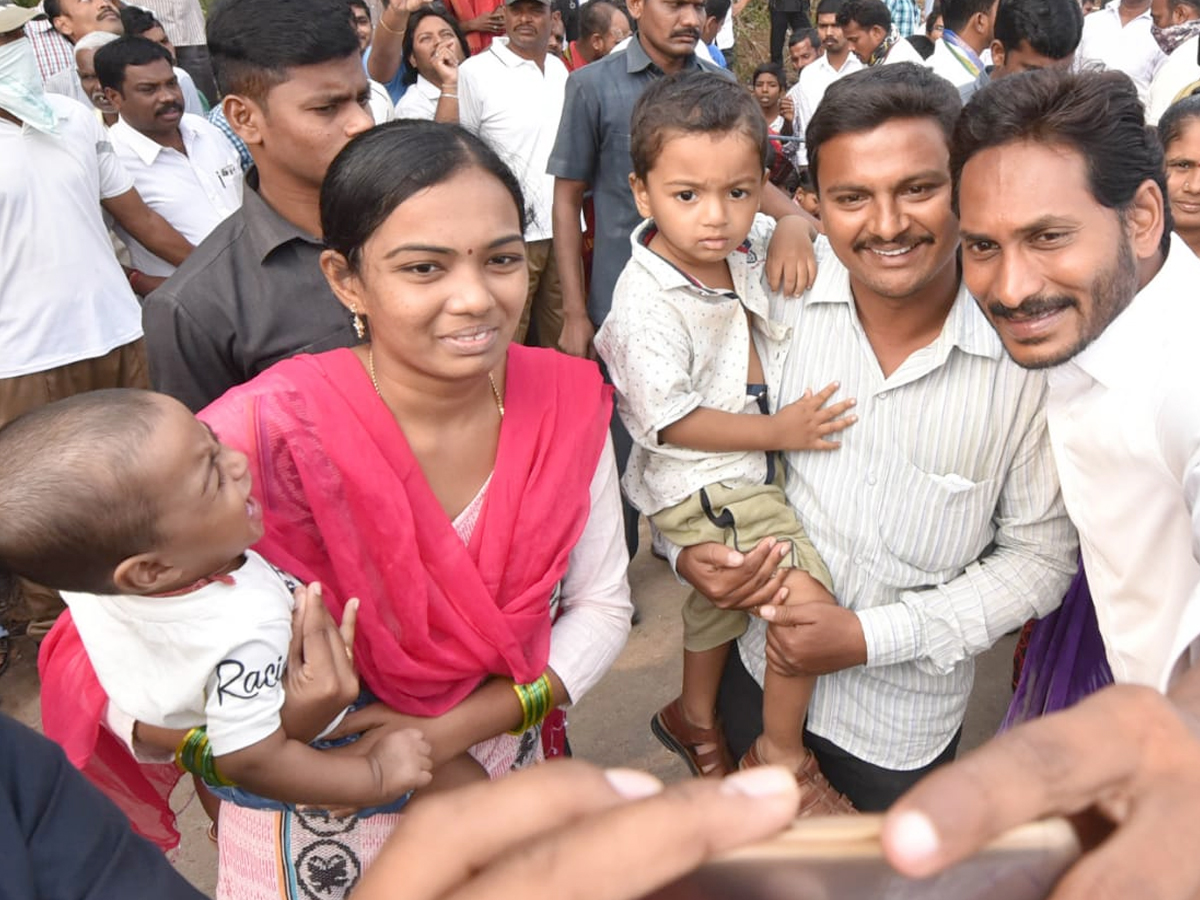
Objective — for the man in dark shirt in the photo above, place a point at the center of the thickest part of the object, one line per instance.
(252, 293)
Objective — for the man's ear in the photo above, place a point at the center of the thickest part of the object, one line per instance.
(244, 117)
(1145, 220)
(114, 97)
(641, 196)
(146, 573)
(998, 54)
(64, 26)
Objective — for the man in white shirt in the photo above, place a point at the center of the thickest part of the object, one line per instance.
(835, 62)
(434, 48)
(939, 516)
(182, 166)
(1118, 36)
(967, 34)
(1177, 30)
(69, 321)
(872, 36)
(1107, 305)
(511, 95)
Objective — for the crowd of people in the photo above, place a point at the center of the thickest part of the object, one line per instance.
(345, 347)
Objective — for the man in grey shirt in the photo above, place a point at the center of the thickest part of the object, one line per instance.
(253, 293)
(592, 152)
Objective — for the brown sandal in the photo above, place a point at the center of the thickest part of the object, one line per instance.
(817, 796)
(702, 749)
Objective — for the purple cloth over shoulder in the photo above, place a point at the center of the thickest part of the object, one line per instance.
(1065, 660)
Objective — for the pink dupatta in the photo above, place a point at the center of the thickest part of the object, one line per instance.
(346, 504)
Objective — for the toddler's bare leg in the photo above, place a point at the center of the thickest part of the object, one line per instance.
(701, 680)
(786, 698)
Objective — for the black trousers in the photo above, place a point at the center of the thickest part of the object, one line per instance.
(870, 788)
(783, 22)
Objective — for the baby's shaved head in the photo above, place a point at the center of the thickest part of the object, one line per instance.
(73, 503)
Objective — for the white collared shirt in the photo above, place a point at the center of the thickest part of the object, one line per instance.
(903, 51)
(940, 517)
(419, 101)
(382, 108)
(672, 346)
(815, 79)
(1130, 48)
(1180, 71)
(515, 106)
(1125, 426)
(63, 296)
(806, 93)
(193, 192)
(946, 64)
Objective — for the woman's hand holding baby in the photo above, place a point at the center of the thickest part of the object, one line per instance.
(321, 680)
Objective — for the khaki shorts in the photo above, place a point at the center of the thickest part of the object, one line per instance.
(739, 518)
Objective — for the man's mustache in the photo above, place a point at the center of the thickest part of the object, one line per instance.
(1029, 307)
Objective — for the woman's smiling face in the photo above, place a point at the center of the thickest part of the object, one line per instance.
(443, 280)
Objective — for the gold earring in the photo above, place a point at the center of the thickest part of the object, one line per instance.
(359, 328)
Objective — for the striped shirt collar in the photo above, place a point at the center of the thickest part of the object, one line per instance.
(966, 326)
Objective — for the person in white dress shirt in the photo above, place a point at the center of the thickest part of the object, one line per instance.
(836, 61)
(939, 517)
(967, 33)
(434, 46)
(183, 167)
(1118, 36)
(1106, 305)
(511, 95)
(1177, 30)
(872, 36)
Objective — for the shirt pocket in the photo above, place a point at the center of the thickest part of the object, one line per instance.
(936, 523)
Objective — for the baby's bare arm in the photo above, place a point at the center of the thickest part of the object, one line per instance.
(293, 772)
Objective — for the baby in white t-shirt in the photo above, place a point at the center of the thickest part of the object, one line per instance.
(130, 506)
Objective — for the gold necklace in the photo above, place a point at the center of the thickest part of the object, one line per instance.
(375, 381)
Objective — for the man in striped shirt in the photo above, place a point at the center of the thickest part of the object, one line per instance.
(940, 516)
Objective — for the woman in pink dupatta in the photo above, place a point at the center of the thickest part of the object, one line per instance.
(463, 489)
